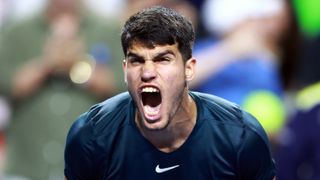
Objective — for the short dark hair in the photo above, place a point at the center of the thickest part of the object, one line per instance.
(159, 26)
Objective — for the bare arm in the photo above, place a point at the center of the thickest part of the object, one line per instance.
(210, 62)
(236, 45)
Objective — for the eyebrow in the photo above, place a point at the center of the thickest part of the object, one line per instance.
(133, 55)
(158, 55)
(163, 53)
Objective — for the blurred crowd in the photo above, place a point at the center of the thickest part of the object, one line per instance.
(59, 57)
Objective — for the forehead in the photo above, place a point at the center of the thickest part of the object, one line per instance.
(141, 49)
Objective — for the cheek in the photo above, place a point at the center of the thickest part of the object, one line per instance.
(132, 81)
(132, 75)
(173, 75)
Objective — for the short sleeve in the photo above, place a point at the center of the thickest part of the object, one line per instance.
(78, 151)
(254, 156)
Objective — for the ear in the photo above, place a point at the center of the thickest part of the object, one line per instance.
(190, 68)
(124, 68)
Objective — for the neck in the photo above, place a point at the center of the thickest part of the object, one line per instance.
(178, 130)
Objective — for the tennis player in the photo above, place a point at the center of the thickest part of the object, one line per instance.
(159, 129)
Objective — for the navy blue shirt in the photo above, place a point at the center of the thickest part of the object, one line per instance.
(226, 143)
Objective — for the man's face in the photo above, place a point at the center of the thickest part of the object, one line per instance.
(157, 81)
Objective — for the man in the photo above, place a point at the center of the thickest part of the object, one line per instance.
(161, 130)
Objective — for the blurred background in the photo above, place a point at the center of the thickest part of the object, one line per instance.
(59, 57)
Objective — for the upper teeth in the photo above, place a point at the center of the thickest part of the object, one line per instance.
(150, 89)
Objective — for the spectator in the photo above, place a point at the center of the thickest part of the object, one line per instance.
(54, 66)
(240, 61)
(298, 147)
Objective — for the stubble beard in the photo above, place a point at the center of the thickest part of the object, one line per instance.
(170, 116)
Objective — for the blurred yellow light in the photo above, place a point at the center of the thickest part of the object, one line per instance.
(268, 109)
(80, 72)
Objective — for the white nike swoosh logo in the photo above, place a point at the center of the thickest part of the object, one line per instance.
(162, 170)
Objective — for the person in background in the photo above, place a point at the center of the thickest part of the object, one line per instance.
(298, 148)
(182, 6)
(241, 59)
(53, 66)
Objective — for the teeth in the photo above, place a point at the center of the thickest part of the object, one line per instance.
(150, 89)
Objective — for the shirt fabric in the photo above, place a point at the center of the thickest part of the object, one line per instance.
(226, 143)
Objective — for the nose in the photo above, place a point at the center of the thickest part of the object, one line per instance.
(148, 72)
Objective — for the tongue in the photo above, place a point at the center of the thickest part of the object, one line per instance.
(151, 111)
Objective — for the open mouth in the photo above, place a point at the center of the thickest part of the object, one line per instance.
(151, 101)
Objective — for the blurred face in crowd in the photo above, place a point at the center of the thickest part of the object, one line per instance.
(57, 8)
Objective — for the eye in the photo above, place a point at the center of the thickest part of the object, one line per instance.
(135, 61)
(163, 60)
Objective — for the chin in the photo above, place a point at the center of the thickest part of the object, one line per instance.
(155, 126)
